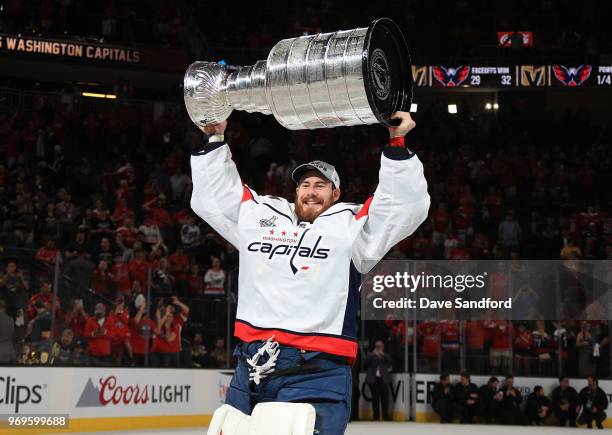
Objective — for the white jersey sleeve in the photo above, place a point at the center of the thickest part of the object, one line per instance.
(399, 205)
(217, 190)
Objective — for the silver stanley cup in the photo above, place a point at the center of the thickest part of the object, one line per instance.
(351, 77)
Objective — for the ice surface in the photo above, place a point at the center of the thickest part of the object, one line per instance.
(392, 428)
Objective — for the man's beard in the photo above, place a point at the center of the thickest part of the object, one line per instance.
(306, 214)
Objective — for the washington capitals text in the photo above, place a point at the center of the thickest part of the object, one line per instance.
(301, 251)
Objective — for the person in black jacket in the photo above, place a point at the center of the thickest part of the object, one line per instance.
(466, 397)
(511, 403)
(7, 336)
(442, 399)
(565, 402)
(594, 402)
(378, 377)
(489, 398)
(538, 406)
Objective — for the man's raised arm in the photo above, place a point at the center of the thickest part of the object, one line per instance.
(217, 189)
(400, 203)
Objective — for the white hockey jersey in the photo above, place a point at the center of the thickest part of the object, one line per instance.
(299, 281)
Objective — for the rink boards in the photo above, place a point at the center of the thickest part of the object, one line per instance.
(109, 399)
(114, 398)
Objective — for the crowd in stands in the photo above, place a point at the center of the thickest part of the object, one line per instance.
(525, 348)
(455, 29)
(101, 193)
(466, 402)
(117, 241)
(434, 29)
(124, 22)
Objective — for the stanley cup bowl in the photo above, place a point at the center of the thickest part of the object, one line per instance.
(350, 77)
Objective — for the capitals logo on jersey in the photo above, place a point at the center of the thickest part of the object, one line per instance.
(451, 76)
(571, 76)
(292, 251)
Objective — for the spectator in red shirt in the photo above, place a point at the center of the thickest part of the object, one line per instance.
(522, 349)
(196, 282)
(502, 334)
(152, 189)
(128, 231)
(179, 266)
(142, 329)
(120, 339)
(76, 318)
(593, 215)
(120, 276)
(139, 266)
(476, 337)
(99, 331)
(102, 280)
(167, 345)
(500, 283)
(459, 252)
(158, 251)
(46, 296)
(122, 210)
(430, 335)
(46, 256)
(449, 334)
(181, 217)
(157, 214)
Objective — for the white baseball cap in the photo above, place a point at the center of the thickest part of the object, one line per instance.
(325, 169)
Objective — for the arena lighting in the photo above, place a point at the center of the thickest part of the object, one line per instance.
(452, 108)
(488, 106)
(96, 95)
(496, 106)
(413, 107)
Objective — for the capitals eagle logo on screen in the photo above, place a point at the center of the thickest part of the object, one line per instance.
(451, 76)
(571, 76)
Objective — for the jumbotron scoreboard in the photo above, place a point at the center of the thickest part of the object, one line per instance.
(507, 76)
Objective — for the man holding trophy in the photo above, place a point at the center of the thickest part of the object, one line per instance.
(301, 262)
